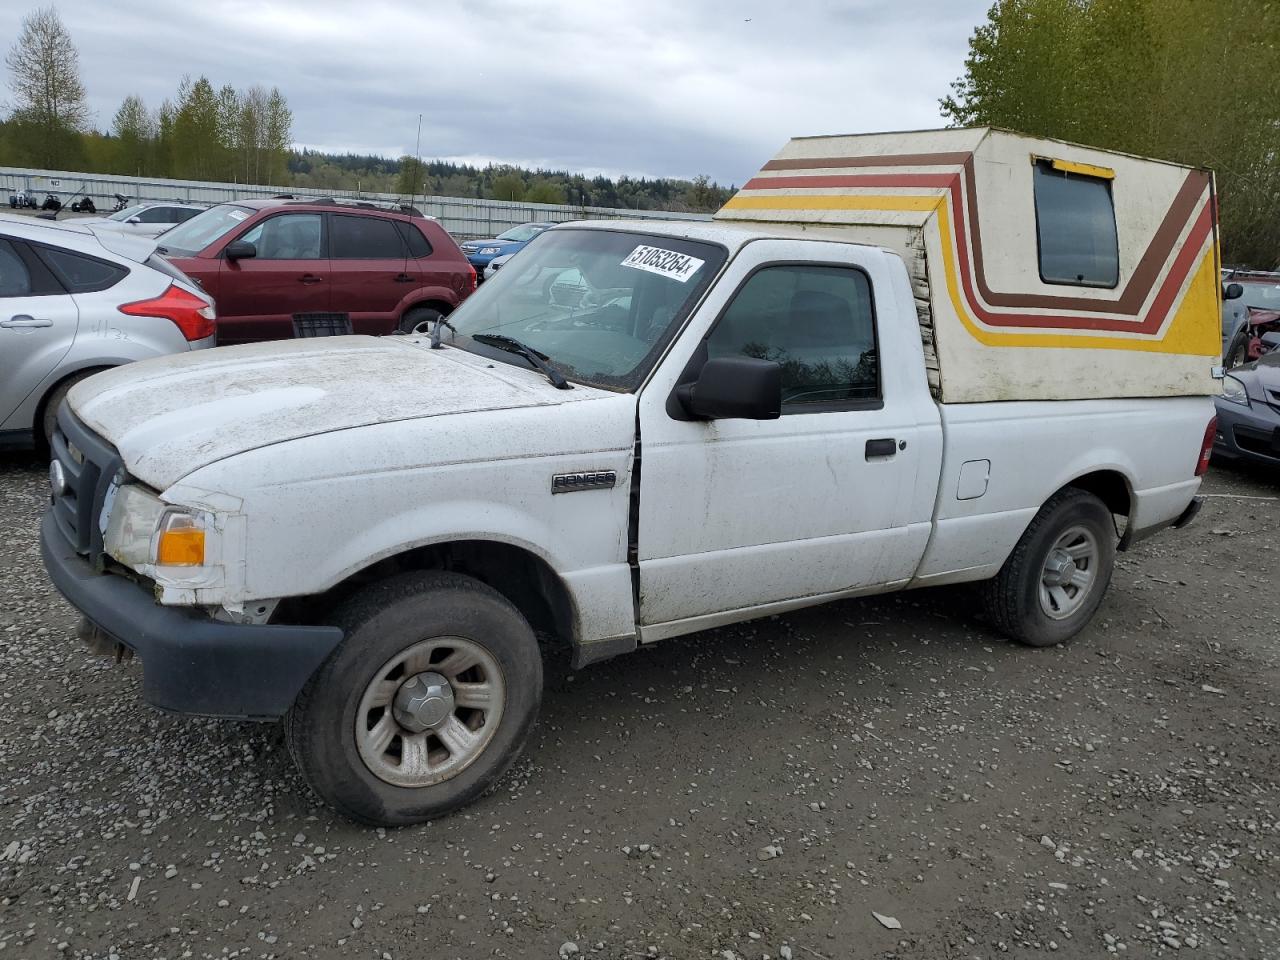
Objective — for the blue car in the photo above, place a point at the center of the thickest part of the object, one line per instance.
(480, 252)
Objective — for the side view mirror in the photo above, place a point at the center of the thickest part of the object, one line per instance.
(734, 388)
(240, 250)
(1232, 291)
(135, 220)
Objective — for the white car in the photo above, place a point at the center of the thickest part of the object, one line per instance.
(496, 264)
(75, 300)
(148, 219)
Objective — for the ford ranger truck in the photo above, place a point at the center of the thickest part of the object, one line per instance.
(891, 362)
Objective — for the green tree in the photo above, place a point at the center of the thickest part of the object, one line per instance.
(409, 183)
(277, 137)
(44, 75)
(198, 150)
(1182, 80)
(135, 132)
(508, 185)
(703, 196)
(545, 191)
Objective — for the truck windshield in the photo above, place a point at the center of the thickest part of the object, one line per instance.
(600, 304)
(189, 238)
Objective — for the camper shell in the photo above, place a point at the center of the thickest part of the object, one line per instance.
(1042, 270)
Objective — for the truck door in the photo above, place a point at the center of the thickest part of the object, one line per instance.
(822, 501)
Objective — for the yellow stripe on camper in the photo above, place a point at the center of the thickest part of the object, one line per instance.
(1185, 335)
(1084, 169)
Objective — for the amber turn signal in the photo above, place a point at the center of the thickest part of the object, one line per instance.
(181, 542)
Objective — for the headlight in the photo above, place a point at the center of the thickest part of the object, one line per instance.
(1234, 391)
(143, 530)
(490, 250)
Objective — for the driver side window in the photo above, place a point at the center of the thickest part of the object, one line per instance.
(816, 322)
(290, 236)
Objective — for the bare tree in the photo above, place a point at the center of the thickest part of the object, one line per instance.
(44, 74)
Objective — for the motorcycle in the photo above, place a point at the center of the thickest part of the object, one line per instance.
(121, 202)
(51, 202)
(21, 200)
(1257, 335)
(84, 205)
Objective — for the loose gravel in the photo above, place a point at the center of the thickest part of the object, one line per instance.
(882, 778)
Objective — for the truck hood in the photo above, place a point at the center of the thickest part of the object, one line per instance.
(170, 416)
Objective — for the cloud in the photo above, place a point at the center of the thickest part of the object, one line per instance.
(660, 88)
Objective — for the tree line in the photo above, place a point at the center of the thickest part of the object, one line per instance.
(1182, 80)
(245, 136)
(200, 134)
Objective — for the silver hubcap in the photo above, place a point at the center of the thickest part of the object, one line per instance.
(429, 712)
(1067, 578)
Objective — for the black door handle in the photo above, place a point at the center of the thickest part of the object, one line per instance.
(310, 278)
(885, 447)
(403, 278)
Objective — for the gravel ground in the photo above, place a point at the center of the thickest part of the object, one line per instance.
(757, 791)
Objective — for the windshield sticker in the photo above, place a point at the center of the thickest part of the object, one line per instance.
(665, 263)
(237, 215)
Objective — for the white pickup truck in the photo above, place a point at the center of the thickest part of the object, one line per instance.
(631, 433)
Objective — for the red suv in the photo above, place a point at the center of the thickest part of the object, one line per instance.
(271, 263)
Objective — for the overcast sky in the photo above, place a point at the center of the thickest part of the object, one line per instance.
(656, 88)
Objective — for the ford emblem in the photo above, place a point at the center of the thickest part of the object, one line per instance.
(57, 479)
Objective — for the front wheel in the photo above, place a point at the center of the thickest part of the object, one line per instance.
(423, 706)
(1056, 577)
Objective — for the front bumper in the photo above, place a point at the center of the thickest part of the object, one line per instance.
(1251, 432)
(190, 663)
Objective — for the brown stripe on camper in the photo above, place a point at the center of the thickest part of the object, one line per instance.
(1144, 277)
(1132, 297)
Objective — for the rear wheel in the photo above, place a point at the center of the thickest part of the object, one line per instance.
(1057, 575)
(418, 315)
(425, 703)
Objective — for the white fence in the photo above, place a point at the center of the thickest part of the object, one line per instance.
(463, 217)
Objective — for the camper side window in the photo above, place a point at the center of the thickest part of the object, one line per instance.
(1075, 228)
(817, 322)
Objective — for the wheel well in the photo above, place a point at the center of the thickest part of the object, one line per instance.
(444, 308)
(1109, 486)
(519, 575)
(37, 425)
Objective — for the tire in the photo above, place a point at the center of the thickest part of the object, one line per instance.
(1021, 600)
(384, 623)
(52, 401)
(417, 315)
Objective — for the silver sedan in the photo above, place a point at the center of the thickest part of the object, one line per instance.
(78, 299)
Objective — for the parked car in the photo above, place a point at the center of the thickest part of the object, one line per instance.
(149, 219)
(74, 302)
(496, 264)
(1249, 316)
(269, 262)
(481, 252)
(1249, 409)
(368, 536)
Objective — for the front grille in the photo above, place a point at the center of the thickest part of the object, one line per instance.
(89, 464)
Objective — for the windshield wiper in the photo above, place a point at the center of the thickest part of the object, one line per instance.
(160, 249)
(535, 357)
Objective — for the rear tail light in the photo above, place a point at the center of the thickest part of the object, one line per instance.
(192, 315)
(1206, 447)
(471, 285)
